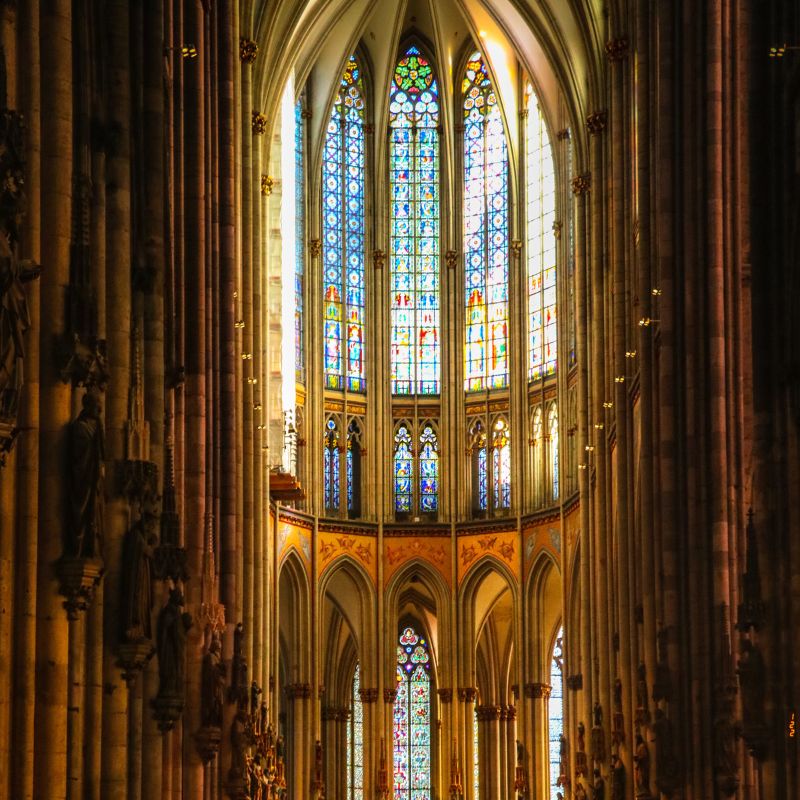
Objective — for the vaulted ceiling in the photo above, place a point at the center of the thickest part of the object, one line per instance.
(558, 43)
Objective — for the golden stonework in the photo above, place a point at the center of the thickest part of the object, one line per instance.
(596, 122)
(248, 50)
(267, 182)
(315, 247)
(582, 183)
(259, 123)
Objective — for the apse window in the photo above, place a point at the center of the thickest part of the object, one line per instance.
(412, 719)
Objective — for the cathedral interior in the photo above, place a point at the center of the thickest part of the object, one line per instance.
(399, 399)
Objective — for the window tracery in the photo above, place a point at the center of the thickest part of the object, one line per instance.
(555, 712)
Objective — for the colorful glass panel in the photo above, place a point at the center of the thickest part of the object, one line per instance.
(355, 742)
(412, 720)
(343, 164)
(552, 429)
(476, 758)
(555, 714)
(485, 232)
(403, 471)
(428, 471)
(330, 470)
(501, 465)
(414, 226)
(300, 239)
(541, 244)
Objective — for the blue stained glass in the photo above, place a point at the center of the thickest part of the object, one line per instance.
(501, 465)
(403, 471)
(414, 226)
(555, 713)
(300, 239)
(428, 471)
(412, 720)
(541, 244)
(330, 470)
(552, 426)
(343, 237)
(485, 232)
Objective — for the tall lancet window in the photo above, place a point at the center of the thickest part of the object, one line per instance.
(412, 719)
(343, 163)
(485, 232)
(555, 713)
(428, 471)
(330, 470)
(541, 244)
(501, 464)
(300, 235)
(403, 470)
(552, 443)
(355, 742)
(414, 226)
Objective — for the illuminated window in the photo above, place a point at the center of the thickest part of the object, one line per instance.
(412, 719)
(541, 244)
(501, 464)
(476, 758)
(343, 163)
(552, 431)
(300, 239)
(485, 232)
(414, 226)
(353, 468)
(355, 742)
(480, 467)
(555, 713)
(428, 471)
(330, 470)
(403, 470)
(537, 455)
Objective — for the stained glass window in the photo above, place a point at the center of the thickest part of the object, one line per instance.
(331, 466)
(355, 742)
(412, 719)
(343, 236)
(552, 430)
(485, 232)
(555, 713)
(541, 244)
(537, 457)
(428, 471)
(476, 758)
(300, 238)
(480, 467)
(571, 261)
(403, 470)
(501, 465)
(414, 226)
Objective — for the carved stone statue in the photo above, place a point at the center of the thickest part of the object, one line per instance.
(520, 752)
(240, 743)
(580, 792)
(581, 737)
(171, 646)
(85, 473)
(641, 773)
(642, 705)
(667, 764)
(617, 779)
(752, 680)
(213, 684)
(598, 735)
(14, 322)
(598, 787)
(136, 580)
(255, 692)
(238, 692)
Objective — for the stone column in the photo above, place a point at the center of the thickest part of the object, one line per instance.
(50, 716)
(538, 752)
(491, 752)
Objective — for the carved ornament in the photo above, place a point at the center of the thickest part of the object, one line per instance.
(259, 123)
(267, 183)
(596, 122)
(581, 184)
(248, 50)
(617, 49)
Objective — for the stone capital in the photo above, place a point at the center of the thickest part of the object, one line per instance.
(581, 184)
(259, 123)
(445, 695)
(596, 122)
(248, 50)
(537, 690)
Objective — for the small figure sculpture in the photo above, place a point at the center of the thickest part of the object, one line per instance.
(255, 692)
(598, 787)
(520, 752)
(617, 779)
(642, 709)
(238, 692)
(617, 695)
(85, 473)
(641, 772)
(213, 682)
(581, 737)
(580, 792)
(597, 713)
(598, 735)
(171, 645)
(581, 767)
(618, 719)
(563, 762)
(137, 567)
(240, 743)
